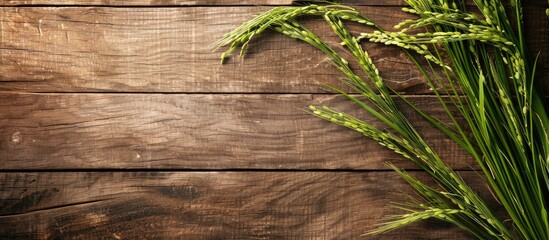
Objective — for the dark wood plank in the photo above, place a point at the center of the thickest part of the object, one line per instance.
(197, 131)
(207, 205)
(81, 49)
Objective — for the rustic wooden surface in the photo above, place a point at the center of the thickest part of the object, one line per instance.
(193, 131)
(205, 205)
(117, 121)
(98, 49)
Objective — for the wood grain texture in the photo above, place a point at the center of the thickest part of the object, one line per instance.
(207, 205)
(197, 131)
(130, 138)
(163, 50)
(94, 49)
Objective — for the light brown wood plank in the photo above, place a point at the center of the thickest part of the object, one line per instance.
(196, 131)
(166, 50)
(207, 205)
(81, 49)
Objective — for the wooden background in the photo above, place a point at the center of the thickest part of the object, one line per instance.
(117, 121)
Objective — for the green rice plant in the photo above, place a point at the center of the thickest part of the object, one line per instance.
(488, 77)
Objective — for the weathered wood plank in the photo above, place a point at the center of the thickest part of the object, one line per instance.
(196, 131)
(83, 49)
(207, 205)
(166, 50)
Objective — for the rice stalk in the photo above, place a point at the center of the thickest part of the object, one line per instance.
(491, 82)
